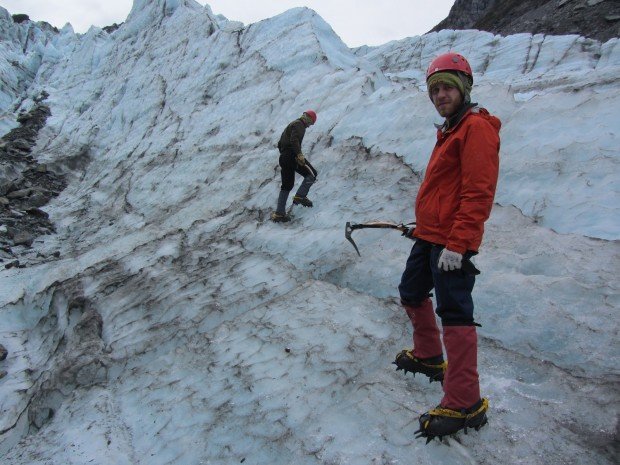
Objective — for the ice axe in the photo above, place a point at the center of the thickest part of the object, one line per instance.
(468, 266)
(349, 228)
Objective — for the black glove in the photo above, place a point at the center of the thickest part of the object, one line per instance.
(408, 233)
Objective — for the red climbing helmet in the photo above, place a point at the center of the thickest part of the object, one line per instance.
(311, 114)
(449, 62)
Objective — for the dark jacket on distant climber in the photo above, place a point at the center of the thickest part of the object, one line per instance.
(291, 138)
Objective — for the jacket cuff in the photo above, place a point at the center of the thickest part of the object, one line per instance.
(456, 248)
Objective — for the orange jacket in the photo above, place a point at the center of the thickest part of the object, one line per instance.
(456, 196)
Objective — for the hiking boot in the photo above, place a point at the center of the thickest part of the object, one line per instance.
(280, 218)
(433, 367)
(441, 421)
(304, 201)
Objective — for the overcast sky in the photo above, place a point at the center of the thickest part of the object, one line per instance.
(357, 22)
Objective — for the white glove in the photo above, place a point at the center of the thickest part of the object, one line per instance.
(449, 260)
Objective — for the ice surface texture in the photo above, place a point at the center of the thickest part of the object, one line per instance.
(179, 326)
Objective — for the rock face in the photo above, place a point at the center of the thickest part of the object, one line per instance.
(25, 186)
(597, 19)
(465, 13)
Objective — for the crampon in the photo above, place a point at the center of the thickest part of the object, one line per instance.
(440, 421)
(434, 367)
(302, 200)
(280, 218)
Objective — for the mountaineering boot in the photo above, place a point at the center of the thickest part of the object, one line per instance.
(304, 201)
(427, 354)
(441, 421)
(280, 218)
(433, 367)
(461, 406)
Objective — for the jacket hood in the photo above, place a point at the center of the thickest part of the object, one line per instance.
(494, 120)
(468, 110)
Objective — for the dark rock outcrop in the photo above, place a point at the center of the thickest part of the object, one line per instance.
(110, 29)
(20, 18)
(25, 186)
(79, 359)
(596, 19)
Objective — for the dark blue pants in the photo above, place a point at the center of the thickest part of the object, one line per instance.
(453, 289)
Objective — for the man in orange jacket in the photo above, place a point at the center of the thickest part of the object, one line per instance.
(453, 202)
